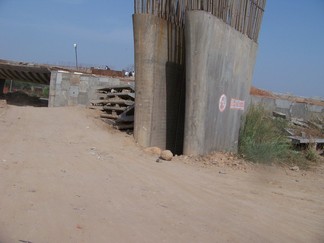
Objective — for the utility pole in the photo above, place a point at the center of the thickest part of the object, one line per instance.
(76, 55)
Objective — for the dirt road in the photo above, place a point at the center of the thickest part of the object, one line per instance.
(66, 177)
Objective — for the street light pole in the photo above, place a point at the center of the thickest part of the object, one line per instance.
(76, 55)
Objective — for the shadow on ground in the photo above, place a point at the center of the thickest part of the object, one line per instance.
(22, 99)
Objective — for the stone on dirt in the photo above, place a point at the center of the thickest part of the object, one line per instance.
(294, 168)
(3, 103)
(166, 155)
(153, 150)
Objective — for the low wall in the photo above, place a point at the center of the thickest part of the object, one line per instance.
(289, 107)
(71, 88)
(219, 68)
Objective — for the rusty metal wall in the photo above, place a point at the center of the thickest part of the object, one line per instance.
(219, 68)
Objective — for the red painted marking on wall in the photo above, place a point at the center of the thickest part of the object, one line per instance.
(222, 103)
(237, 104)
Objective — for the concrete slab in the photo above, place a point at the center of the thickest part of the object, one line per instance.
(219, 67)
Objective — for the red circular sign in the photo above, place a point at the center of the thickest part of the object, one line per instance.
(222, 103)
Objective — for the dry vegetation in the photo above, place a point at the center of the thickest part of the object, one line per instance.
(263, 139)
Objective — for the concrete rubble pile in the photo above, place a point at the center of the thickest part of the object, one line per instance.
(304, 133)
(117, 106)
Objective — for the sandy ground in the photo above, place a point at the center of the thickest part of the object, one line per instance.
(66, 177)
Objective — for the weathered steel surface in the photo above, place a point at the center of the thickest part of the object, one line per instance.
(219, 67)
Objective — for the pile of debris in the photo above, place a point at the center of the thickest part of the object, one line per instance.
(117, 105)
(304, 133)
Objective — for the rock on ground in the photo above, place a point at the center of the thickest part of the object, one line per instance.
(166, 155)
(153, 150)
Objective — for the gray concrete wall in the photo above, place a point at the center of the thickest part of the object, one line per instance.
(159, 84)
(219, 61)
(70, 88)
(288, 107)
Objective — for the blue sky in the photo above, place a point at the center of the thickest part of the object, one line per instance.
(291, 48)
(44, 31)
(291, 43)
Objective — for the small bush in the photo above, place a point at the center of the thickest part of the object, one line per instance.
(46, 92)
(311, 155)
(261, 138)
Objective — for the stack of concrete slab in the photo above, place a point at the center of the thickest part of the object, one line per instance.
(117, 104)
